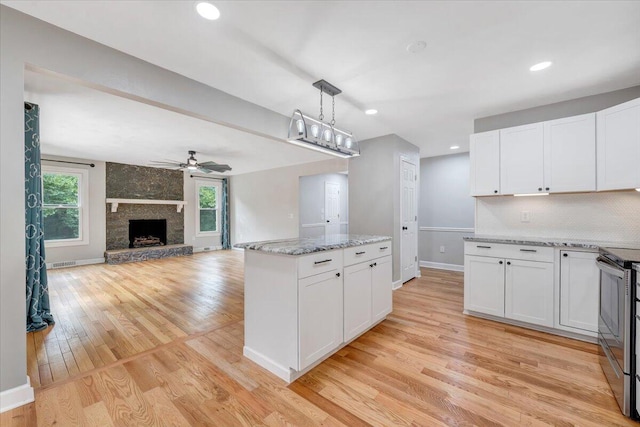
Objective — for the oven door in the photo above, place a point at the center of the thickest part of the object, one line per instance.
(614, 328)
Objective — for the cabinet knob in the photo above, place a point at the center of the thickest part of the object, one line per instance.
(508, 262)
(565, 255)
(371, 265)
(328, 221)
(405, 228)
(546, 188)
(501, 262)
(495, 191)
(539, 188)
(337, 274)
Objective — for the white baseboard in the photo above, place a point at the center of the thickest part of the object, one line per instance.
(396, 285)
(442, 266)
(74, 263)
(276, 369)
(17, 396)
(237, 249)
(207, 249)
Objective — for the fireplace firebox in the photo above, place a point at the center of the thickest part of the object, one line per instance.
(147, 232)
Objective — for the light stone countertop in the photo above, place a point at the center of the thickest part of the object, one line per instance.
(551, 241)
(308, 245)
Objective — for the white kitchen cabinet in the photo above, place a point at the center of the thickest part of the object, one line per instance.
(381, 292)
(521, 159)
(570, 154)
(579, 290)
(618, 146)
(529, 292)
(484, 284)
(319, 316)
(484, 152)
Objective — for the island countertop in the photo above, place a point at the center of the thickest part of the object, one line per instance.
(308, 245)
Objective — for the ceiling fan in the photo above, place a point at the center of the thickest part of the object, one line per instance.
(193, 165)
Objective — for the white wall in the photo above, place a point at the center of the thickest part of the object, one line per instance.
(312, 203)
(190, 238)
(606, 217)
(97, 215)
(27, 41)
(264, 205)
(446, 210)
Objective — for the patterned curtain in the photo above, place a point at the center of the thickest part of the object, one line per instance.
(38, 310)
(224, 236)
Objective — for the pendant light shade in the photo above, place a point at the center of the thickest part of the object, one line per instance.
(315, 134)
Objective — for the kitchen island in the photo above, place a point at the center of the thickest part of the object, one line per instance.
(306, 298)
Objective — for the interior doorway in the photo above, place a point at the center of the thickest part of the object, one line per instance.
(409, 220)
(324, 205)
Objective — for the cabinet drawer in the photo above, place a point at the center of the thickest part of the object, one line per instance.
(364, 253)
(319, 262)
(502, 250)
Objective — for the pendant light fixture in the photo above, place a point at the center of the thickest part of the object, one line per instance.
(315, 134)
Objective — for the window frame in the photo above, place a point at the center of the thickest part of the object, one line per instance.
(218, 186)
(83, 204)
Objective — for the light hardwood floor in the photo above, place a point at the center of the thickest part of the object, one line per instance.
(160, 343)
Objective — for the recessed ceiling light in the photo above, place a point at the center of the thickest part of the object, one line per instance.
(454, 147)
(371, 112)
(208, 11)
(541, 66)
(417, 46)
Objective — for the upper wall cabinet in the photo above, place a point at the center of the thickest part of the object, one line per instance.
(485, 163)
(521, 159)
(570, 154)
(619, 146)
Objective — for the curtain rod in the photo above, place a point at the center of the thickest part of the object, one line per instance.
(206, 177)
(73, 163)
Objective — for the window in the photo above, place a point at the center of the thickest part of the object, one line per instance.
(207, 213)
(64, 213)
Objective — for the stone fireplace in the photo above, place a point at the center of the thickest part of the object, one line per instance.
(136, 232)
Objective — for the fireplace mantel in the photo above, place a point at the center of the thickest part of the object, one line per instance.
(115, 202)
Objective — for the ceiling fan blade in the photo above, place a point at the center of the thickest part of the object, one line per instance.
(215, 167)
(204, 170)
(165, 163)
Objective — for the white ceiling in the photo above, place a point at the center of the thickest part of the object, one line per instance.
(476, 62)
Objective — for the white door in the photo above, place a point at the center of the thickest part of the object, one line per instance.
(357, 299)
(319, 316)
(332, 208)
(484, 151)
(521, 159)
(484, 284)
(409, 220)
(529, 292)
(579, 290)
(570, 154)
(381, 293)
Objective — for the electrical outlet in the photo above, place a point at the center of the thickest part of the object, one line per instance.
(441, 249)
(525, 216)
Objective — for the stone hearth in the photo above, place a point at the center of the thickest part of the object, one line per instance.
(121, 256)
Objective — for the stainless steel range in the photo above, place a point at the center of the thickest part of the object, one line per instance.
(616, 325)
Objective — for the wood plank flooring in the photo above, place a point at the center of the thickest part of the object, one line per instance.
(160, 343)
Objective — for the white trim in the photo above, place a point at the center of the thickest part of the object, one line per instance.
(74, 263)
(396, 285)
(83, 205)
(115, 202)
(320, 224)
(276, 369)
(449, 229)
(442, 266)
(207, 183)
(17, 396)
(207, 249)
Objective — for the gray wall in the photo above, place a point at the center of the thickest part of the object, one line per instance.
(25, 40)
(573, 107)
(96, 247)
(312, 203)
(264, 205)
(374, 189)
(446, 210)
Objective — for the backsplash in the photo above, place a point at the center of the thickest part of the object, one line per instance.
(605, 217)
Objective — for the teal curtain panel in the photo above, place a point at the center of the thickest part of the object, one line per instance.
(38, 310)
(225, 241)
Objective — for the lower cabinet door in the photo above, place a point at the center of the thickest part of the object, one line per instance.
(529, 292)
(357, 299)
(381, 284)
(579, 290)
(484, 285)
(319, 316)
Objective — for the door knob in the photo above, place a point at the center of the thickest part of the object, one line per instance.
(328, 221)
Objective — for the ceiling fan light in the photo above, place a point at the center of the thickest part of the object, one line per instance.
(192, 167)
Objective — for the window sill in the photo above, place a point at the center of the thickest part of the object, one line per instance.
(64, 243)
(208, 234)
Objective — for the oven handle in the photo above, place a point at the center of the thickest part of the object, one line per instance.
(608, 268)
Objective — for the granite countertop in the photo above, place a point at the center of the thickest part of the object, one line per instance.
(308, 245)
(552, 242)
